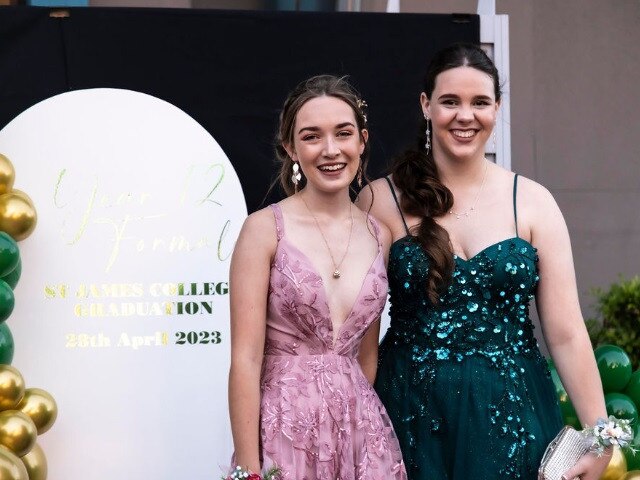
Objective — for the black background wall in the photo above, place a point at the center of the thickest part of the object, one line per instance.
(229, 70)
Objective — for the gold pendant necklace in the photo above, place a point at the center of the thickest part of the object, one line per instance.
(466, 213)
(336, 266)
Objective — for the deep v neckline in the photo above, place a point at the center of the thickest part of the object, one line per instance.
(335, 334)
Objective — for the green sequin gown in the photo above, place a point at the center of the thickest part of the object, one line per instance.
(465, 384)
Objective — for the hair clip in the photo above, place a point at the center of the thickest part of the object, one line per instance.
(361, 106)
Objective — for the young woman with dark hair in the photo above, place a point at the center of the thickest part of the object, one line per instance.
(460, 372)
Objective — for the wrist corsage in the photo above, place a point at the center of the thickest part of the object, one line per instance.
(239, 473)
(608, 433)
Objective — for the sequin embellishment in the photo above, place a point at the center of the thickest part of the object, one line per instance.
(483, 317)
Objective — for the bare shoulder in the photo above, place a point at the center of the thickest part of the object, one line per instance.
(367, 196)
(376, 198)
(531, 188)
(259, 229)
(381, 184)
(539, 214)
(534, 197)
(260, 220)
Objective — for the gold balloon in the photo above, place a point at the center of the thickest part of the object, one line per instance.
(11, 468)
(7, 176)
(18, 216)
(632, 475)
(11, 387)
(40, 406)
(21, 194)
(17, 432)
(35, 463)
(617, 466)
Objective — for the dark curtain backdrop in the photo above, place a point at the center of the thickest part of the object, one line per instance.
(229, 70)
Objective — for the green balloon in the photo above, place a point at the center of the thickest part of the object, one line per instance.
(12, 277)
(632, 390)
(633, 461)
(614, 366)
(567, 410)
(6, 344)
(621, 406)
(7, 301)
(9, 254)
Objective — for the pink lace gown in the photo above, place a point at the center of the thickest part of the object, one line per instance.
(320, 417)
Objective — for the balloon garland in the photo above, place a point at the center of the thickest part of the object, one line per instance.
(25, 413)
(18, 216)
(621, 389)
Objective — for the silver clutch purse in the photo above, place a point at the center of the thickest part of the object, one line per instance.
(563, 452)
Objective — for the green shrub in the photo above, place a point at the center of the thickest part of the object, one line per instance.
(618, 318)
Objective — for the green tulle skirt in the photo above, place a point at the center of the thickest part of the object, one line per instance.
(471, 418)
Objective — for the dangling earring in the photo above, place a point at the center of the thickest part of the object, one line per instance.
(359, 176)
(427, 144)
(494, 139)
(297, 176)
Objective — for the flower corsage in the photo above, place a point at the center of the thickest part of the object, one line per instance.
(608, 433)
(239, 473)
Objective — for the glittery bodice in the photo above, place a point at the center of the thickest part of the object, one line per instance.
(484, 311)
(320, 418)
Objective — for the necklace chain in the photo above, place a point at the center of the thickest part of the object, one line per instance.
(336, 266)
(466, 213)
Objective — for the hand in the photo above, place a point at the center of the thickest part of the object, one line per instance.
(251, 467)
(589, 467)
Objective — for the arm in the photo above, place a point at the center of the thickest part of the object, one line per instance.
(368, 355)
(562, 322)
(249, 285)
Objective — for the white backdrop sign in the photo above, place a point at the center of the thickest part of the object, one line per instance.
(122, 309)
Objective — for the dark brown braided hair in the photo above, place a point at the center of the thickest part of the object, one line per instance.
(416, 175)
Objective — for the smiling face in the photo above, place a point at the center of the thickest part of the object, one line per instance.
(463, 111)
(327, 143)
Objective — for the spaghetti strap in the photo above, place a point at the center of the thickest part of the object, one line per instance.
(515, 210)
(376, 229)
(277, 214)
(395, 198)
